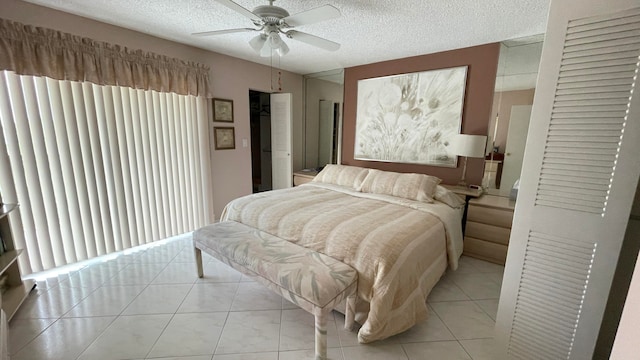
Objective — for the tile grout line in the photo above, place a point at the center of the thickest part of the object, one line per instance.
(406, 355)
(485, 311)
(91, 291)
(454, 336)
(76, 304)
(177, 308)
(98, 336)
(116, 316)
(172, 315)
(465, 350)
(238, 284)
(106, 327)
(35, 337)
(119, 315)
(224, 325)
(443, 323)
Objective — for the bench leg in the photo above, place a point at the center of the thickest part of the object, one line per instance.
(350, 312)
(199, 262)
(321, 335)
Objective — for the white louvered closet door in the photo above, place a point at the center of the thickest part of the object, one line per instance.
(580, 171)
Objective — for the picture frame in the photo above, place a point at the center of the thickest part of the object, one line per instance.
(223, 110)
(224, 138)
(410, 118)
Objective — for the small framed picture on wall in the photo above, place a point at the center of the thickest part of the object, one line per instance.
(224, 138)
(223, 110)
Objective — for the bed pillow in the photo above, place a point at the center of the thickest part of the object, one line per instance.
(418, 187)
(448, 197)
(343, 175)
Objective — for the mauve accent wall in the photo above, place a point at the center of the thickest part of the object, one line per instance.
(481, 77)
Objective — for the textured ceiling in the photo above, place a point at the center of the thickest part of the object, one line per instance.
(369, 31)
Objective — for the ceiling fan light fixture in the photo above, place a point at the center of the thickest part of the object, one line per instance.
(258, 43)
(266, 51)
(274, 40)
(283, 49)
(271, 21)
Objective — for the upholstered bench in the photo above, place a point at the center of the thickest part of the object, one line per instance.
(314, 281)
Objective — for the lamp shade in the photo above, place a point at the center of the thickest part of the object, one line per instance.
(274, 40)
(283, 49)
(469, 145)
(258, 44)
(263, 44)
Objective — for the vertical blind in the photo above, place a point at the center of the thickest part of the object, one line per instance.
(98, 169)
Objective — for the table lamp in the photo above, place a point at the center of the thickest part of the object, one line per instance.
(468, 146)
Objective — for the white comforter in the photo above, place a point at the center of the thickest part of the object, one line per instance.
(399, 247)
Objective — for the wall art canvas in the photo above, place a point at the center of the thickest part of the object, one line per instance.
(224, 138)
(410, 118)
(223, 110)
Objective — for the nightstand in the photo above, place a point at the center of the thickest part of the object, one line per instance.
(488, 228)
(303, 176)
(467, 194)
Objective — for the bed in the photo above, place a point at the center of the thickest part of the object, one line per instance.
(399, 231)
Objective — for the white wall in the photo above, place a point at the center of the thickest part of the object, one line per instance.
(231, 78)
(625, 345)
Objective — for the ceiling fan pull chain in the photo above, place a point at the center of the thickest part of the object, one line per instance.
(279, 75)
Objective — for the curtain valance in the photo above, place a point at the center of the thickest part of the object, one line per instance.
(36, 51)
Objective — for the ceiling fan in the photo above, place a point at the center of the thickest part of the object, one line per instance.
(272, 21)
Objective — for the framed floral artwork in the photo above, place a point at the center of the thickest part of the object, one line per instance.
(410, 118)
(224, 138)
(223, 110)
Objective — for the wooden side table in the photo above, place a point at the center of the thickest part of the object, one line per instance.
(489, 228)
(467, 194)
(303, 176)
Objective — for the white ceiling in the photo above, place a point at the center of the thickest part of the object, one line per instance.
(369, 31)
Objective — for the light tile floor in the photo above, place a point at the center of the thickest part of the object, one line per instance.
(149, 304)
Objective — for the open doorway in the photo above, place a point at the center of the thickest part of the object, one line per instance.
(260, 122)
(328, 129)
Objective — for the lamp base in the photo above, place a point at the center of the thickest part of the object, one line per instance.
(463, 182)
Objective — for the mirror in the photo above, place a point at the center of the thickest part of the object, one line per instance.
(323, 118)
(515, 86)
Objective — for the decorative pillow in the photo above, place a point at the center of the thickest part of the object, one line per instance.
(409, 186)
(343, 175)
(448, 197)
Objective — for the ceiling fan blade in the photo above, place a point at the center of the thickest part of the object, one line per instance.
(322, 13)
(239, 9)
(313, 40)
(220, 32)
